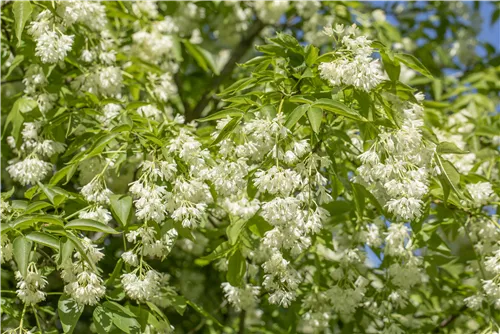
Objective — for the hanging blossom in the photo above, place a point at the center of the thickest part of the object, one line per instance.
(242, 298)
(353, 64)
(52, 46)
(289, 194)
(401, 179)
(30, 286)
(83, 284)
(482, 193)
(90, 13)
(6, 248)
(29, 170)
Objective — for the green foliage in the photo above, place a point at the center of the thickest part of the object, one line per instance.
(121, 119)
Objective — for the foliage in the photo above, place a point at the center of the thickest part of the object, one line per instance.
(165, 175)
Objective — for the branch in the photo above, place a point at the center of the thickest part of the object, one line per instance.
(242, 322)
(226, 72)
(450, 319)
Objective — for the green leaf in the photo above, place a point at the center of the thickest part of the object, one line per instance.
(102, 320)
(22, 250)
(221, 250)
(66, 248)
(202, 57)
(391, 65)
(54, 197)
(312, 53)
(236, 269)
(36, 206)
(22, 12)
(79, 246)
(67, 171)
(159, 312)
(413, 63)
(69, 312)
(226, 131)
(449, 177)
(15, 118)
(447, 147)
(118, 308)
(315, 116)
(8, 194)
(15, 63)
(296, 115)
(339, 109)
(121, 208)
(234, 229)
(89, 225)
(259, 226)
(124, 322)
(231, 112)
(44, 239)
(116, 272)
(179, 303)
(203, 312)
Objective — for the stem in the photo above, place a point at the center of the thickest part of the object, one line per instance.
(22, 318)
(37, 320)
(242, 322)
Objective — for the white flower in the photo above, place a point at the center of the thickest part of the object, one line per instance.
(87, 289)
(29, 288)
(29, 170)
(373, 238)
(492, 263)
(98, 213)
(143, 288)
(281, 211)
(6, 248)
(130, 258)
(406, 208)
(481, 193)
(147, 8)
(96, 192)
(87, 56)
(270, 11)
(242, 298)
(90, 13)
(150, 111)
(474, 302)
(276, 181)
(52, 47)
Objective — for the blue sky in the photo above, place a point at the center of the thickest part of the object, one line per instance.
(490, 34)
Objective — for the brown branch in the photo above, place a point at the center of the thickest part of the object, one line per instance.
(450, 319)
(226, 72)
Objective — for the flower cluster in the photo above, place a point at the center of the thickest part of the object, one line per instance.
(30, 286)
(83, 283)
(353, 64)
(396, 167)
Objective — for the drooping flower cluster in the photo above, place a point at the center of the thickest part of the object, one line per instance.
(289, 193)
(51, 45)
(396, 168)
(29, 287)
(243, 298)
(354, 64)
(83, 283)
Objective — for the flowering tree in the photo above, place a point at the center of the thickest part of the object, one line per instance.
(249, 167)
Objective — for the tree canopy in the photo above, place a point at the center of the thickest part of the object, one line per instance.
(249, 167)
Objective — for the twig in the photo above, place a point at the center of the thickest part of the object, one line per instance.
(237, 54)
(242, 322)
(450, 319)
